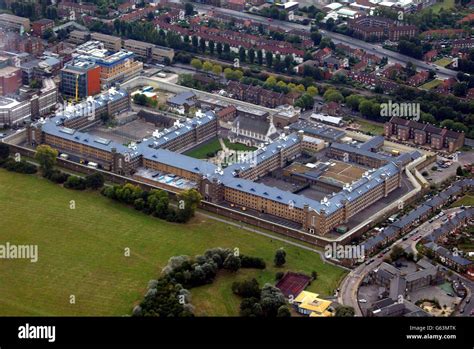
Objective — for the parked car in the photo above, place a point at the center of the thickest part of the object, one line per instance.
(362, 300)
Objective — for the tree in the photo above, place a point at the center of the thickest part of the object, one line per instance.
(219, 49)
(300, 88)
(459, 171)
(46, 156)
(280, 257)
(212, 46)
(188, 201)
(283, 311)
(353, 102)
(242, 54)
(4, 151)
(195, 41)
(202, 45)
(332, 95)
(271, 81)
(312, 91)
(271, 299)
(246, 288)
(344, 311)
(269, 59)
(207, 66)
(251, 55)
(396, 253)
(232, 263)
(196, 64)
(260, 57)
(74, 182)
(188, 9)
(217, 69)
(140, 99)
(316, 37)
(95, 181)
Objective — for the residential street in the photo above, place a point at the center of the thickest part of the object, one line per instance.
(393, 57)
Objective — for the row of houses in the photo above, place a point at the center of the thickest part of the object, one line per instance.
(259, 95)
(452, 259)
(393, 231)
(234, 39)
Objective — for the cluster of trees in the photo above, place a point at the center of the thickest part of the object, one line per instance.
(189, 81)
(12, 165)
(142, 99)
(313, 12)
(411, 47)
(266, 302)
(273, 12)
(466, 65)
(436, 108)
(165, 298)
(169, 295)
(156, 202)
(202, 269)
(206, 66)
(47, 157)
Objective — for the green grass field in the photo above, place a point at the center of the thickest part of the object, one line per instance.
(443, 62)
(238, 146)
(466, 200)
(201, 152)
(431, 84)
(445, 4)
(370, 126)
(81, 253)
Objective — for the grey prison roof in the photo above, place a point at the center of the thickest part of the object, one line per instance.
(152, 150)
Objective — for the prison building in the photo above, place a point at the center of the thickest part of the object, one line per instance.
(112, 43)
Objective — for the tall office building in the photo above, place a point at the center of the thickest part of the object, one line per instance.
(80, 79)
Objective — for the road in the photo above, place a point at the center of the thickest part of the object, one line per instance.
(393, 57)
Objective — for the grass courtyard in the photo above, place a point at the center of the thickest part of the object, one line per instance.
(203, 150)
(371, 127)
(81, 253)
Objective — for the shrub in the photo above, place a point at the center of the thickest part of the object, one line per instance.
(19, 166)
(232, 263)
(279, 275)
(252, 262)
(246, 288)
(56, 176)
(95, 181)
(75, 183)
(139, 204)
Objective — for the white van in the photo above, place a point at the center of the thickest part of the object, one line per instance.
(92, 165)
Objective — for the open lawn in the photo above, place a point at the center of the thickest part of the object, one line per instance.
(466, 200)
(238, 146)
(443, 62)
(445, 4)
(371, 127)
(201, 151)
(81, 253)
(431, 84)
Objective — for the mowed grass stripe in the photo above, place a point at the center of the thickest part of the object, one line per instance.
(81, 252)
